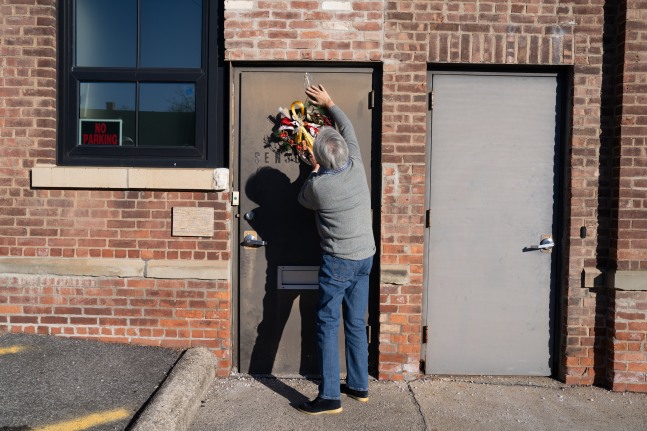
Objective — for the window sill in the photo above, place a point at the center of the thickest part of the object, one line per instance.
(70, 177)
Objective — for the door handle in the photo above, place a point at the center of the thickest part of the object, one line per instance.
(545, 245)
(251, 241)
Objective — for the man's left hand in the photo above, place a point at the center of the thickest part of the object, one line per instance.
(313, 161)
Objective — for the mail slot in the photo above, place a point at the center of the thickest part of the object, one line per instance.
(298, 277)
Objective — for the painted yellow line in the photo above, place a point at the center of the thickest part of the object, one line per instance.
(88, 421)
(12, 349)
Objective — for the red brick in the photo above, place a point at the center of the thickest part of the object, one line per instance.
(10, 309)
(23, 319)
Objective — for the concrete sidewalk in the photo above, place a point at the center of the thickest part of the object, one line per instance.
(50, 380)
(244, 403)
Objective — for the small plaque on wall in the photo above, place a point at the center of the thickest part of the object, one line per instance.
(192, 221)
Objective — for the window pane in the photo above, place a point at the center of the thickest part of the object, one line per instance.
(106, 33)
(167, 115)
(171, 32)
(100, 100)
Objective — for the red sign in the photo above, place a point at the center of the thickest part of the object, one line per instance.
(99, 132)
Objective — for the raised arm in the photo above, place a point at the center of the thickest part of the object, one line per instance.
(320, 97)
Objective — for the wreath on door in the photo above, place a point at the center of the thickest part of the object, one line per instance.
(295, 129)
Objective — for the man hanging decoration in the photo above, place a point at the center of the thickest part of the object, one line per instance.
(295, 129)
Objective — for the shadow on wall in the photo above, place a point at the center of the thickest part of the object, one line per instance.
(292, 239)
(607, 221)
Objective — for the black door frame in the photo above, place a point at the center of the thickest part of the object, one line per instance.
(375, 104)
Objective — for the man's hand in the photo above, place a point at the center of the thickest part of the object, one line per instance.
(319, 96)
(312, 160)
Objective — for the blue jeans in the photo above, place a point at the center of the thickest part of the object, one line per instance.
(343, 284)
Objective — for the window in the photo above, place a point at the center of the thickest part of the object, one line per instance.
(138, 80)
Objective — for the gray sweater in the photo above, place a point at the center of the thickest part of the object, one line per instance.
(342, 201)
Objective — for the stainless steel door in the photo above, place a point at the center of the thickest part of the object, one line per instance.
(491, 196)
(277, 325)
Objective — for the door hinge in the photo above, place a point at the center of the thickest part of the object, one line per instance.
(371, 99)
(425, 334)
(428, 218)
(430, 100)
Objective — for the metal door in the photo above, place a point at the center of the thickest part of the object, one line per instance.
(492, 199)
(277, 322)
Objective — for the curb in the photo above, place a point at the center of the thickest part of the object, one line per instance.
(176, 402)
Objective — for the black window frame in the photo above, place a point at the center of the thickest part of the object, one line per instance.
(210, 96)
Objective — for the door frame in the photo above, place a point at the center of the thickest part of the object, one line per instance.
(559, 261)
(235, 70)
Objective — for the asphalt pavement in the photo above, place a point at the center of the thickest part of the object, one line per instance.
(48, 381)
(58, 384)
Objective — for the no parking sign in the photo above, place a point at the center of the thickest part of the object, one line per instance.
(99, 132)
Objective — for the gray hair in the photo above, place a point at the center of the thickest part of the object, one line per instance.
(330, 149)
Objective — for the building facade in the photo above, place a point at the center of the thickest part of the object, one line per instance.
(143, 241)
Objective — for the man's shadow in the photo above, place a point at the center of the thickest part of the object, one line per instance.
(292, 240)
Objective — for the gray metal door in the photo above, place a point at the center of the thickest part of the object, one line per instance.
(491, 198)
(277, 321)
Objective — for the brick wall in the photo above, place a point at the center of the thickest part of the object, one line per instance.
(632, 133)
(583, 310)
(92, 224)
(474, 32)
(106, 224)
(403, 193)
(602, 330)
(627, 344)
(27, 102)
(303, 30)
(168, 313)
(518, 33)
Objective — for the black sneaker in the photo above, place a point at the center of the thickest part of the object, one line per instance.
(361, 396)
(321, 406)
